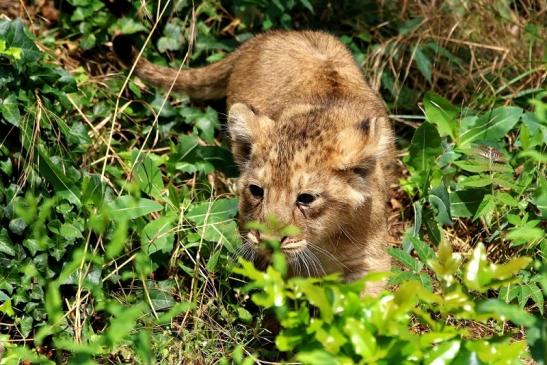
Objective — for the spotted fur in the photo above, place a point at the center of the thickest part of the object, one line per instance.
(303, 121)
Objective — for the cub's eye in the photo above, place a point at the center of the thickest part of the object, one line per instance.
(361, 171)
(305, 199)
(256, 191)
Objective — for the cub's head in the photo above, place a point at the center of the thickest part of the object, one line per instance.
(313, 168)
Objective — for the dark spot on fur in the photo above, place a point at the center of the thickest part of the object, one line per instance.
(364, 125)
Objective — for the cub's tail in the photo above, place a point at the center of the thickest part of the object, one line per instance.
(203, 83)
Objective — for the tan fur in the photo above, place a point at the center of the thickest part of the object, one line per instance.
(303, 120)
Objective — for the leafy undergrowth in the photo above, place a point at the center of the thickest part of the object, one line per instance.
(118, 235)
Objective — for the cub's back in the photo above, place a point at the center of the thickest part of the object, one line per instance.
(277, 69)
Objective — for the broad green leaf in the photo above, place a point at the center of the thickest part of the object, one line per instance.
(6, 245)
(492, 126)
(94, 191)
(439, 199)
(9, 107)
(7, 309)
(126, 26)
(215, 211)
(148, 176)
(525, 234)
(474, 181)
(537, 338)
(464, 203)
(158, 235)
(244, 314)
(317, 297)
(318, 357)
(127, 207)
(481, 164)
(442, 113)
(530, 291)
(444, 353)
(362, 340)
(70, 232)
(424, 148)
(481, 275)
(161, 294)
(172, 39)
(15, 34)
(506, 312)
(486, 207)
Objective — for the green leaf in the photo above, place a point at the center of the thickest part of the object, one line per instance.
(526, 234)
(10, 110)
(444, 353)
(407, 260)
(493, 126)
(464, 203)
(486, 207)
(215, 211)
(16, 35)
(158, 235)
(215, 221)
(172, 39)
(474, 181)
(55, 176)
(362, 340)
(70, 232)
(537, 338)
(142, 344)
(530, 291)
(244, 314)
(161, 296)
(318, 357)
(506, 311)
(425, 253)
(128, 207)
(423, 63)
(6, 308)
(424, 148)
(481, 275)
(317, 297)
(446, 263)
(176, 310)
(539, 198)
(441, 113)
(440, 201)
(6, 245)
(148, 176)
(126, 26)
(118, 239)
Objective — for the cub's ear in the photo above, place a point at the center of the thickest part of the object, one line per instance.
(244, 125)
(363, 144)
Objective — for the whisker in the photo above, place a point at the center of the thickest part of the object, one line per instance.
(327, 253)
(348, 236)
(316, 263)
(304, 262)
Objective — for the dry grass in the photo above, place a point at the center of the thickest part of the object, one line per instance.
(495, 53)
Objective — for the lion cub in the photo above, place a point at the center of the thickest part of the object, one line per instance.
(313, 143)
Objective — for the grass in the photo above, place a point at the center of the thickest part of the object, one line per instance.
(118, 238)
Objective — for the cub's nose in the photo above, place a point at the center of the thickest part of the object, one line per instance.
(256, 237)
